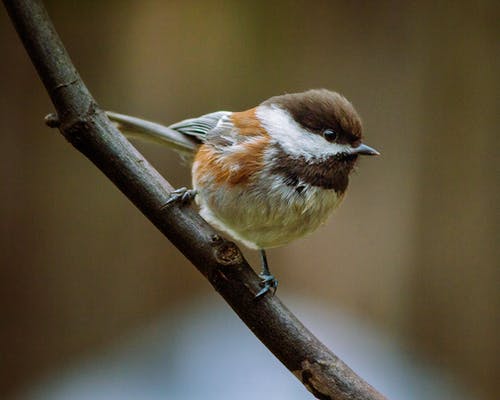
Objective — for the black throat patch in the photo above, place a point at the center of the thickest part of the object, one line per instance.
(327, 173)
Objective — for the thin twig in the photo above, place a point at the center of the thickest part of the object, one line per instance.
(85, 125)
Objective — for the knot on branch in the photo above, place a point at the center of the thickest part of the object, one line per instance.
(75, 131)
(76, 128)
(52, 120)
(312, 376)
(226, 253)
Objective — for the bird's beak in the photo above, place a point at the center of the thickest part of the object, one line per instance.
(364, 150)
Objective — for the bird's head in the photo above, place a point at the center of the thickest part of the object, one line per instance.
(316, 125)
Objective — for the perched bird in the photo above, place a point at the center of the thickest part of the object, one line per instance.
(268, 175)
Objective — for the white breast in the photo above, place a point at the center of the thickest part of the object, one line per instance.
(268, 213)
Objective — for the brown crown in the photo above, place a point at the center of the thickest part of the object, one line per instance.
(320, 109)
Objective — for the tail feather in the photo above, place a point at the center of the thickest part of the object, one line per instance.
(146, 130)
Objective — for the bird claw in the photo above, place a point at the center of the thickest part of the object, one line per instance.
(268, 283)
(182, 195)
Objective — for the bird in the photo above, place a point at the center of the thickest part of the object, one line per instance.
(267, 175)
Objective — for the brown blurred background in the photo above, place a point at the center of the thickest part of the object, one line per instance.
(414, 249)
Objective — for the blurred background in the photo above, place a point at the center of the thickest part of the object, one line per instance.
(402, 282)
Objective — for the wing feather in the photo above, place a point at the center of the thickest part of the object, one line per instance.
(201, 126)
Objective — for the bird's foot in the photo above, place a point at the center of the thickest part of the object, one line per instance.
(182, 195)
(268, 283)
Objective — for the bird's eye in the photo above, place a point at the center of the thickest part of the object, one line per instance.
(330, 135)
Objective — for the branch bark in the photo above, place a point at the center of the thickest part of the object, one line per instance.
(86, 127)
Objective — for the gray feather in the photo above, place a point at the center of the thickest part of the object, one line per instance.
(199, 127)
(138, 128)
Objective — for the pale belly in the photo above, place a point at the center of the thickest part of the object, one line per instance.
(266, 218)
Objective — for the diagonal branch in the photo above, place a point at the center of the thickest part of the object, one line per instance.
(86, 127)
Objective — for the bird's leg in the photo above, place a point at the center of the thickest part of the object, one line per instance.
(183, 195)
(269, 282)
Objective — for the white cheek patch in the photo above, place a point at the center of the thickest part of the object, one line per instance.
(294, 139)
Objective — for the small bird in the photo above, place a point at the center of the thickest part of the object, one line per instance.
(270, 174)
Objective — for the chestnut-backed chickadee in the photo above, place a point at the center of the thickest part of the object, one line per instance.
(271, 174)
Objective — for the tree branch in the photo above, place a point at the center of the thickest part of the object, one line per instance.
(86, 127)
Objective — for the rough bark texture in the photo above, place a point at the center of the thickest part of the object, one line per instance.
(86, 127)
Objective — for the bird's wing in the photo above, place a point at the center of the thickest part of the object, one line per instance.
(201, 126)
